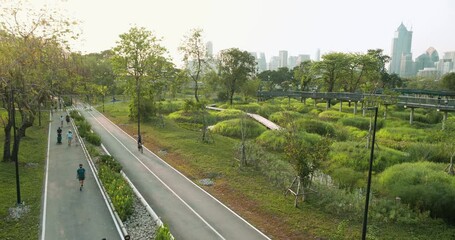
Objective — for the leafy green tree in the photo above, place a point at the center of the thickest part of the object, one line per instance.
(304, 75)
(332, 69)
(139, 61)
(195, 57)
(448, 81)
(27, 35)
(236, 68)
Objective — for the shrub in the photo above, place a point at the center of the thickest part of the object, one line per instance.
(272, 140)
(426, 152)
(423, 185)
(282, 118)
(163, 233)
(347, 178)
(93, 138)
(232, 128)
(83, 128)
(356, 156)
(402, 134)
(331, 115)
(318, 127)
(109, 161)
(119, 191)
(361, 123)
(228, 114)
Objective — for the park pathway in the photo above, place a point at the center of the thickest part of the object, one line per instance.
(68, 213)
(262, 120)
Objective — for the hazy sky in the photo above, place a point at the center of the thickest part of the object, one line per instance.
(299, 26)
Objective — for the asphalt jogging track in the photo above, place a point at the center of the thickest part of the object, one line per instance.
(67, 212)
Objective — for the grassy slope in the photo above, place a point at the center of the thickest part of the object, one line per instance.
(32, 150)
(248, 192)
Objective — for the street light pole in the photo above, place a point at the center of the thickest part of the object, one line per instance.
(365, 215)
(138, 87)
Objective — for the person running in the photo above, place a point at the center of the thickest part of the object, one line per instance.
(61, 121)
(69, 135)
(67, 118)
(80, 176)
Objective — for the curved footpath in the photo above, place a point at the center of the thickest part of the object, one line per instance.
(68, 213)
(189, 211)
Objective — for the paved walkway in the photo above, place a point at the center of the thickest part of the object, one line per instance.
(68, 213)
(190, 212)
(262, 120)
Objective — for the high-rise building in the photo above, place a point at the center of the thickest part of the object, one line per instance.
(274, 63)
(317, 56)
(427, 60)
(262, 62)
(209, 49)
(401, 52)
(283, 56)
(302, 58)
(292, 62)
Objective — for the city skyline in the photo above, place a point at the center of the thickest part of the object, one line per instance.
(298, 27)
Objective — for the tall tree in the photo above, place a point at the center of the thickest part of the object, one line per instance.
(27, 37)
(236, 68)
(304, 75)
(448, 81)
(138, 55)
(332, 69)
(195, 57)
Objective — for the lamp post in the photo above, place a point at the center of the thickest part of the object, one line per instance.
(367, 200)
(138, 88)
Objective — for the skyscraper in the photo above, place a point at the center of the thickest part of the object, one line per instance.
(401, 51)
(283, 55)
(209, 49)
(262, 62)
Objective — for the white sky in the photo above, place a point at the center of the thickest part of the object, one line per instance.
(299, 26)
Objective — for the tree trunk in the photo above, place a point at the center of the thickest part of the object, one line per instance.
(196, 87)
(7, 143)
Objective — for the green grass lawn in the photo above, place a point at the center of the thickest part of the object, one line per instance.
(32, 155)
(307, 222)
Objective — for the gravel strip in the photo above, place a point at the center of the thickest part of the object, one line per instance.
(140, 224)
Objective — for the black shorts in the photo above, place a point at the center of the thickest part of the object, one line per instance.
(81, 178)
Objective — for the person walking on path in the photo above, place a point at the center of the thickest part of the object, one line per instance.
(61, 121)
(67, 118)
(59, 135)
(80, 176)
(69, 135)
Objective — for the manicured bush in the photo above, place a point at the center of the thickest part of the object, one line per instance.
(361, 123)
(282, 118)
(332, 115)
(266, 110)
(318, 127)
(228, 114)
(232, 128)
(354, 133)
(407, 134)
(427, 152)
(272, 140)
(356, 156)
(423, 185)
